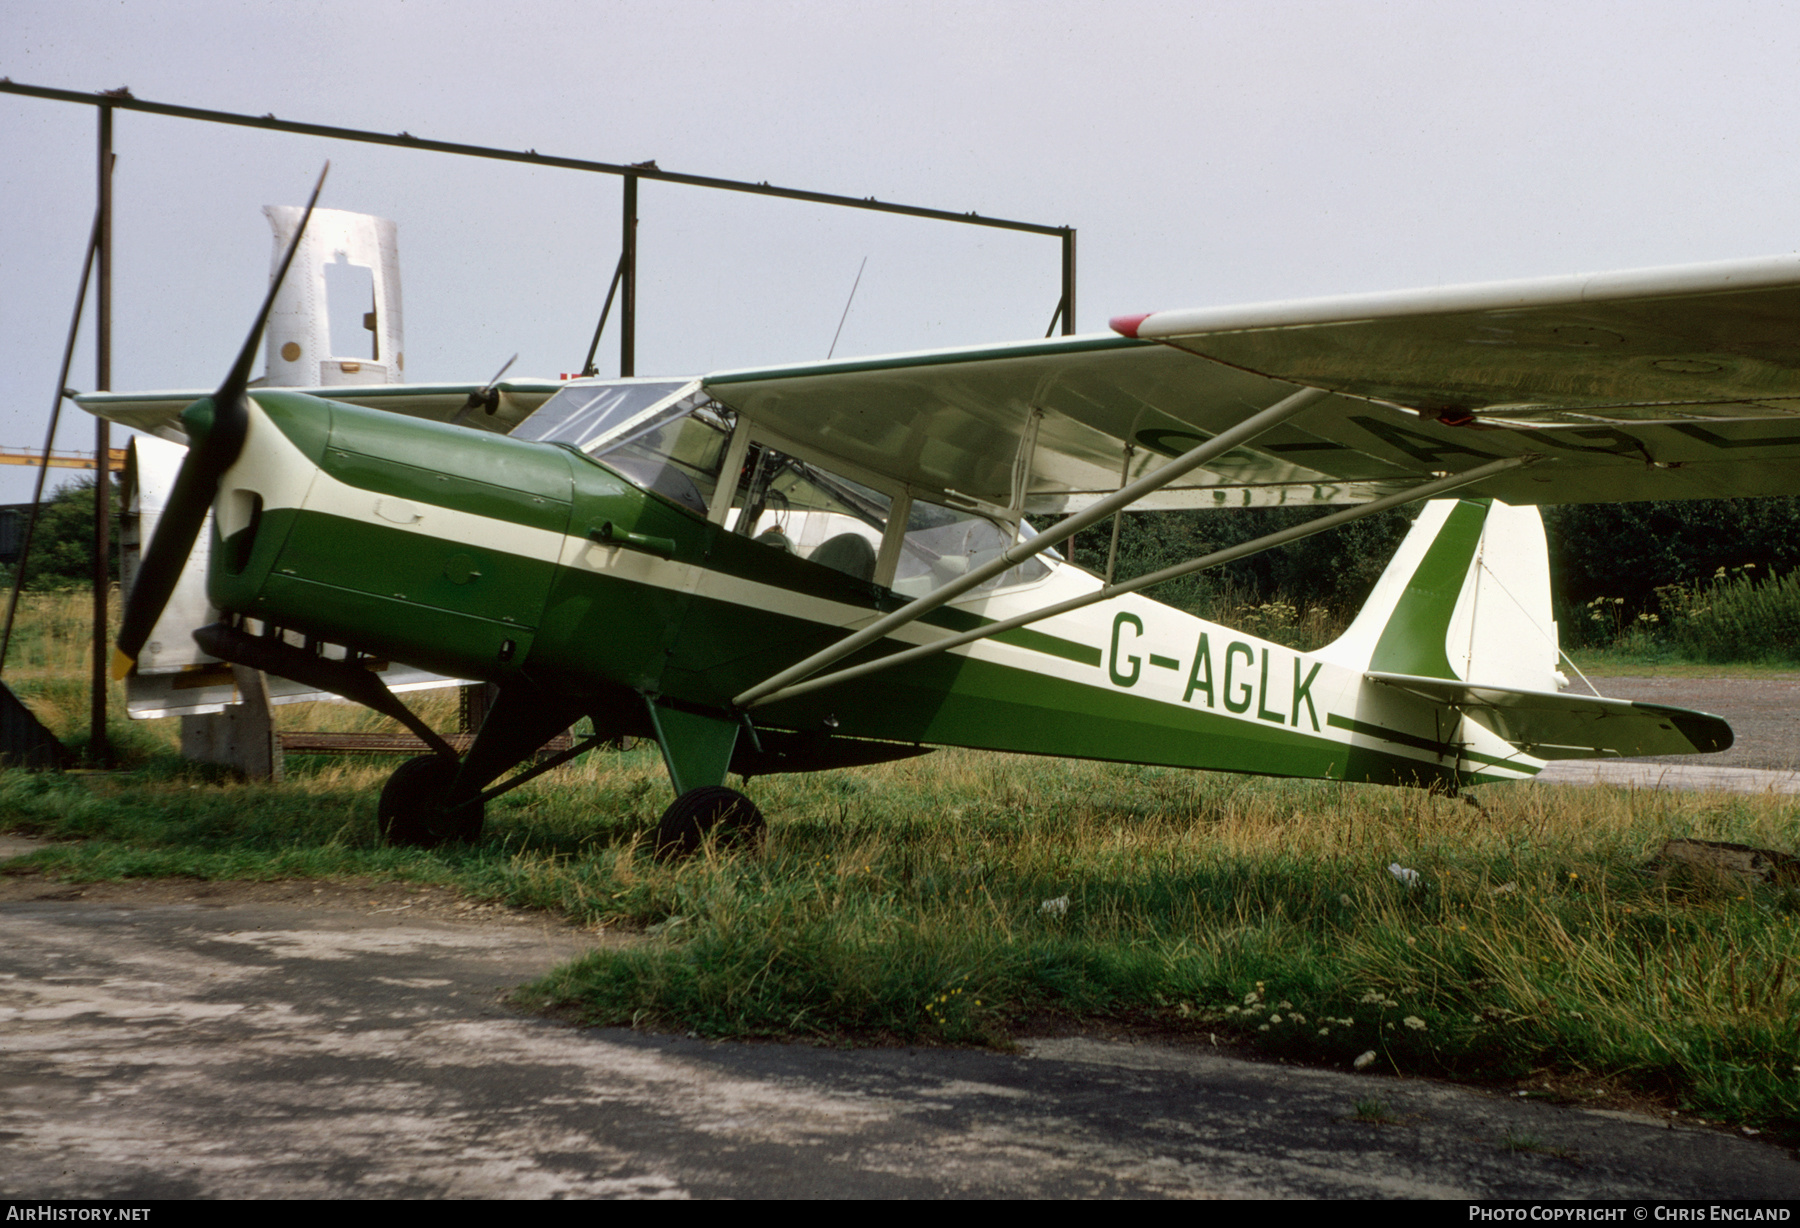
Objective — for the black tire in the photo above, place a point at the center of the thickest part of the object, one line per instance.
(411, 814)
(685, 824)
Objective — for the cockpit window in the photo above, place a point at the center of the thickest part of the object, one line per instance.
(666, 436)
(944, 543)
(803, 509)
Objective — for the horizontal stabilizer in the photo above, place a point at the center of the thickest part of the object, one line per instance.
(1550, 725)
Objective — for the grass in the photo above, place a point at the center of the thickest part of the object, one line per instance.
(908, 902)
(1531, 1144)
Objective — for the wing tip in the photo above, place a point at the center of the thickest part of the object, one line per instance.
(1127, 326)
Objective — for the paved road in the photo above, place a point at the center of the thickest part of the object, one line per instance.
(286, 1040)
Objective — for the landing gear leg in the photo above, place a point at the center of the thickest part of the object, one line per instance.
(432, 799)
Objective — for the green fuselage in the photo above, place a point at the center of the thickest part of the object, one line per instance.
(479, 556)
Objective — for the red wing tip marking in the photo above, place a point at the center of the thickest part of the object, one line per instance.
(1127, 326)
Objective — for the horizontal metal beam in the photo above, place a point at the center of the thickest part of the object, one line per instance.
(1063, 529)
(123, 101)
(1215, 559)
(115, 459)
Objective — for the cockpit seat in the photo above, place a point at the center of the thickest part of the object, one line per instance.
(849, 553)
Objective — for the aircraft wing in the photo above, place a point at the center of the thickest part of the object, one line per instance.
(160, 412)
(1550, 725)
(1650, 384)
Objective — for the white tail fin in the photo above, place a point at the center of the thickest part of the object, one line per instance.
(1461, 619)
(1466, 597)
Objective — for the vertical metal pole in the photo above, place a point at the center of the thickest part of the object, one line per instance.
(99, 750)
(1068, 282)
(37, 492)
(628, 262)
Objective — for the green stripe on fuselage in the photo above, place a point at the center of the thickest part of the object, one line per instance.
(1352, 725)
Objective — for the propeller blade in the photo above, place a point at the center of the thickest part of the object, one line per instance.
(215, 427)
(484, 397)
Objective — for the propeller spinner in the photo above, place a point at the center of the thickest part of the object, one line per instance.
(215, 427)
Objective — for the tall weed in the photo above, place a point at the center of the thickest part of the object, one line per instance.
(1735, 617)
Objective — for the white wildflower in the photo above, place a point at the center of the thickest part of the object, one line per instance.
(1414, 1022)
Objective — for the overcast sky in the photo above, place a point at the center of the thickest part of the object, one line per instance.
(1207, 153)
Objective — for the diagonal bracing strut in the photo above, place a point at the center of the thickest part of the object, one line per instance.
(1192, 459)
(1215, 559)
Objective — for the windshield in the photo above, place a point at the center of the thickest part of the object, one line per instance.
(588, 415)
(666, 436)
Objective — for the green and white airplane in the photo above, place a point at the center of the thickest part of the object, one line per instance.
(809, 567)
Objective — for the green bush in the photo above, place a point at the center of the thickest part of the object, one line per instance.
(62, 546)
(1734, 617)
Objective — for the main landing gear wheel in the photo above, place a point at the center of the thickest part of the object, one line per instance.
(411, 810)
(698, 811)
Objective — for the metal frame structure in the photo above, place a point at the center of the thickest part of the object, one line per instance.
(624, 283)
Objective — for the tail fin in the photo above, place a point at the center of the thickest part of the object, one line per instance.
(1461, 619)
(1466, 597)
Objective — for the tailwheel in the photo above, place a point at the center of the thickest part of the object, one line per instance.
(685, 824)
(411, 810)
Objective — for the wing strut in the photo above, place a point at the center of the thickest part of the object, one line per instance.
(1192, 459)
(1215, 559)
